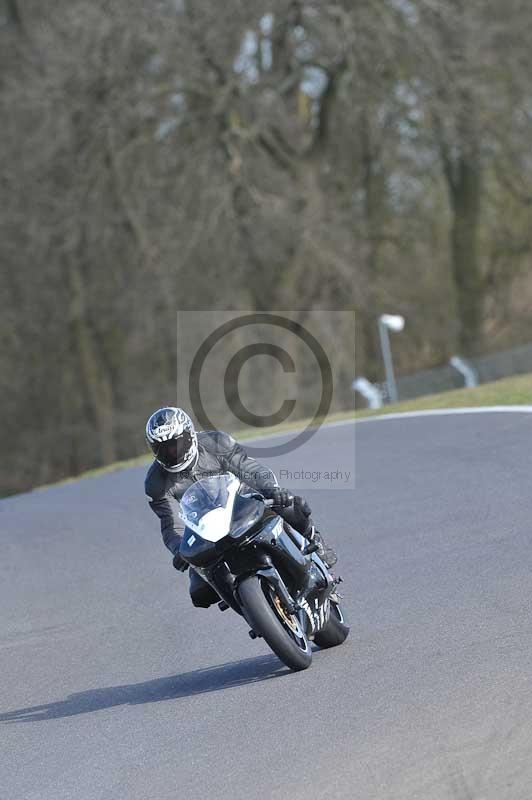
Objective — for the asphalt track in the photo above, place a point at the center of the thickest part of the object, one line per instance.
(113, 686)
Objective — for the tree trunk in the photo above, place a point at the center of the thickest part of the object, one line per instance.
(465, 192)
(94, 380)
(372, 184)
(13, 13)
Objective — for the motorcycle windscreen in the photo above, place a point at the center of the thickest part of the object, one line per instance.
(213, 508)
(247, 511)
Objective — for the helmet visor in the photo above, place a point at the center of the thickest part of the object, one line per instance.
(173, 452)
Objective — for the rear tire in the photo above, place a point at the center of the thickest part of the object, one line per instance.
(335, 632)
(267, 622)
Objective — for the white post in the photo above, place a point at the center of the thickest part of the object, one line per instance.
(466, 370)
(369, 391)
(395, 323)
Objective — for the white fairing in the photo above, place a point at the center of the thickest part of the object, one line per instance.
(215, 524)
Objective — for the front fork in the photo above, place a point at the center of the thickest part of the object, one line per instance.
(313, 578)
(311, 612)
(273, 577)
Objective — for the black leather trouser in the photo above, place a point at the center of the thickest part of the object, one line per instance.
(203, 595)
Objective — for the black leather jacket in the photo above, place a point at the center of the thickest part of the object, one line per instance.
(218, 452)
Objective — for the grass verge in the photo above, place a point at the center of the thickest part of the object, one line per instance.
(513, 391)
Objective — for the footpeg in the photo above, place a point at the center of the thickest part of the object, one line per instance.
(252, 634)
(223, 606)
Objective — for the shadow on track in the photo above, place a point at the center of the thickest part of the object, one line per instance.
(200, 681)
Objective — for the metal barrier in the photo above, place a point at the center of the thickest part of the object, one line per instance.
(490, 367)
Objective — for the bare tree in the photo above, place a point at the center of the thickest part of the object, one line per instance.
(286, 154)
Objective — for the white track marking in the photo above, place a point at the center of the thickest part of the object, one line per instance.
(432, 412)
(446, 412)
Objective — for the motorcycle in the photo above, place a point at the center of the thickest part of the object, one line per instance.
(262, 568)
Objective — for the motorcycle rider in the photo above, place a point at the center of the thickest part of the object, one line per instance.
(182, 456)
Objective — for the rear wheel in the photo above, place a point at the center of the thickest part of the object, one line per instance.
(335, 631)
(280, 630)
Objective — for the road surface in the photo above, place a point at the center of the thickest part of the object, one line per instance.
(114, 688)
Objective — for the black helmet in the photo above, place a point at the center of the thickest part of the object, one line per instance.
(172, 438)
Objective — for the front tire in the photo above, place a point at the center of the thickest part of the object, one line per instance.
(281, 631)
(335, 631)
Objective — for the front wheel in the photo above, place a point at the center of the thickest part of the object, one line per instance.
(269, 619)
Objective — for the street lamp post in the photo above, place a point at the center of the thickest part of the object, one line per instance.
(387, 323)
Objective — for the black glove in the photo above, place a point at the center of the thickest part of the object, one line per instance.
(281, 497)
(179, 563)
(301, 505)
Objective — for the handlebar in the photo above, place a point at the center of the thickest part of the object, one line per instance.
(270, 503)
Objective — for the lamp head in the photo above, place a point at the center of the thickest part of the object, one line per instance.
(394, 322)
